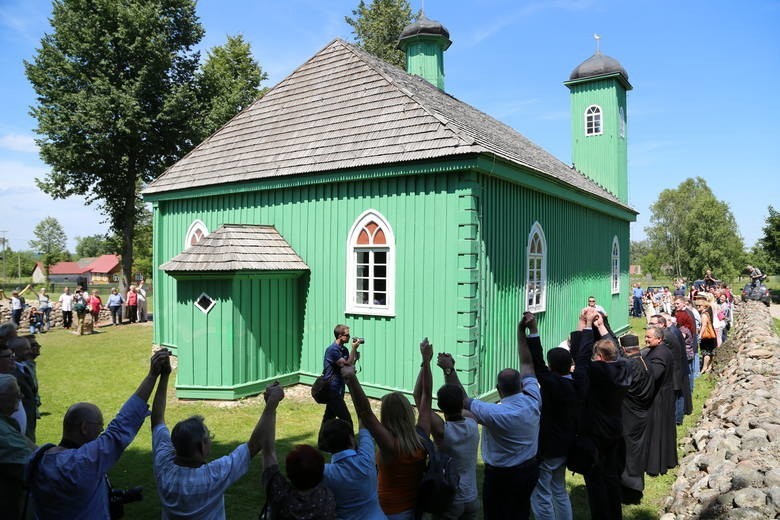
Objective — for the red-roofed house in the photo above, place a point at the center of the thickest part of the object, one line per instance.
(86, 270)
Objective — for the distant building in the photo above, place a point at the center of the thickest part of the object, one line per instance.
(354, 192)
(39, 273)
(86, 270)
(635, 270)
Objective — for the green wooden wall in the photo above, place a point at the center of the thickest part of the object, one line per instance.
(604, 157)
(579, 244)
(425, 214)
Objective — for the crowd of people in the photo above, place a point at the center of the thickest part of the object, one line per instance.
(85, 305)
(598, 405)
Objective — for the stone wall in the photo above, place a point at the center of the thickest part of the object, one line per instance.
(731, 467)
(55, 317)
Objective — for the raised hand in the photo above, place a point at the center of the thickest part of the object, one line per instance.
(273, 393)
(426, 349)
(445, 361)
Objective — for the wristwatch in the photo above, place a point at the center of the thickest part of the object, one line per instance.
(447, 371)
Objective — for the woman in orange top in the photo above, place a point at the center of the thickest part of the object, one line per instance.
(401, 456)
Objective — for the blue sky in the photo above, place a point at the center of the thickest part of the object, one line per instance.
(705, 75)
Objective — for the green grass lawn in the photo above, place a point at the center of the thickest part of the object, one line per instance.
(106, 368)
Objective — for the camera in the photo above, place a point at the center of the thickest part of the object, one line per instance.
(361, 340)
(117, 498)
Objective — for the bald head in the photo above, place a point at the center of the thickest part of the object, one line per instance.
(9, 394)
(7, 331)
(83, 422)
(508, 382)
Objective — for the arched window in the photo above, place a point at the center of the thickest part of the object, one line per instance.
(536, 271)
(196, 232)
(371, 266)
(593, 120)
(615, 266)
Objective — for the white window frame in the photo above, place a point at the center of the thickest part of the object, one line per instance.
(541, 281)
(615, 265)
(370, 309)
(204, 310)
(598, 115)
(622, 114)
(196, 224)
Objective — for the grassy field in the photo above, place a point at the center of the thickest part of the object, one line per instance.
(106, 368)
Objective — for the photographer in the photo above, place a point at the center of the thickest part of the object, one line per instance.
(337, 356)
(69, 480)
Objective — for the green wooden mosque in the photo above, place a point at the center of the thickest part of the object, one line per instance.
(354, 192)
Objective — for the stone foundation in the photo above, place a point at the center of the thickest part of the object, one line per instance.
(731, 465)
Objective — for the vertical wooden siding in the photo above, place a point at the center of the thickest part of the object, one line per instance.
(579, 247)
(424, 212)
(603, 157)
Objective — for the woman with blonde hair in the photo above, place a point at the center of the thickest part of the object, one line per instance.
(707, 334)
(401, 456)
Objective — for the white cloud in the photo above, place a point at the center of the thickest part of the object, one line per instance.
(18, 143)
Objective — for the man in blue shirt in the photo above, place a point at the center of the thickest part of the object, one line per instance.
(351, 474)
(190, 487)
(637, 293)
(69, 480)
(510, 434)
(336, 356)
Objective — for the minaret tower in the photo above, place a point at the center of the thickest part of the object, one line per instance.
(424, 43)
(599, 128)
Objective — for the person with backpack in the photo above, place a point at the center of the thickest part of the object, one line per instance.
(81, 309)
(457, 437)
(510, 435)
(401, 457)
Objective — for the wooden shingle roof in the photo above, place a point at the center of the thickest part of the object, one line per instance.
(345, 109)
(238, 247)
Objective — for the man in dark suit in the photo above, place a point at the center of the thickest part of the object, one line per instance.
(673, 338)
(606, 381)
(557, 426)
(27, 387)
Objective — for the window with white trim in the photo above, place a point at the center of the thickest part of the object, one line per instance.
(536, 270)
(622, 123)
(371, 266)
(196, 232)
(205, 303)
(593, 120)
(615, 265)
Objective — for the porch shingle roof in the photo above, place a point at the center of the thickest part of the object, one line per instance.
(238, 247)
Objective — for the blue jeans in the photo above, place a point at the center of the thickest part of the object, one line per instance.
(549, 500)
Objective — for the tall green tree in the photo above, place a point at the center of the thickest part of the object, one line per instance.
(228, 82)
(115, 83)
(770, 242)
(691, 231)
(92, 245)
(50, 242)
(142, 242)
(378, 25)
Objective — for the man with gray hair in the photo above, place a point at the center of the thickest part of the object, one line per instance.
(188, 485)
(69, 480)
(14, 450)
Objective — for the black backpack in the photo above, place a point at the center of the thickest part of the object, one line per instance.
(439, 482)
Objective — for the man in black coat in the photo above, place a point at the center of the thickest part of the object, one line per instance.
(662, 448)
(557, 426)
(636, 413)
(606, 381)
(673, 338)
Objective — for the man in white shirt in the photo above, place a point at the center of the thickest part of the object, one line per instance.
(66, 306)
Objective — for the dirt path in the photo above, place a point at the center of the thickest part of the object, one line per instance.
(774, 310)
